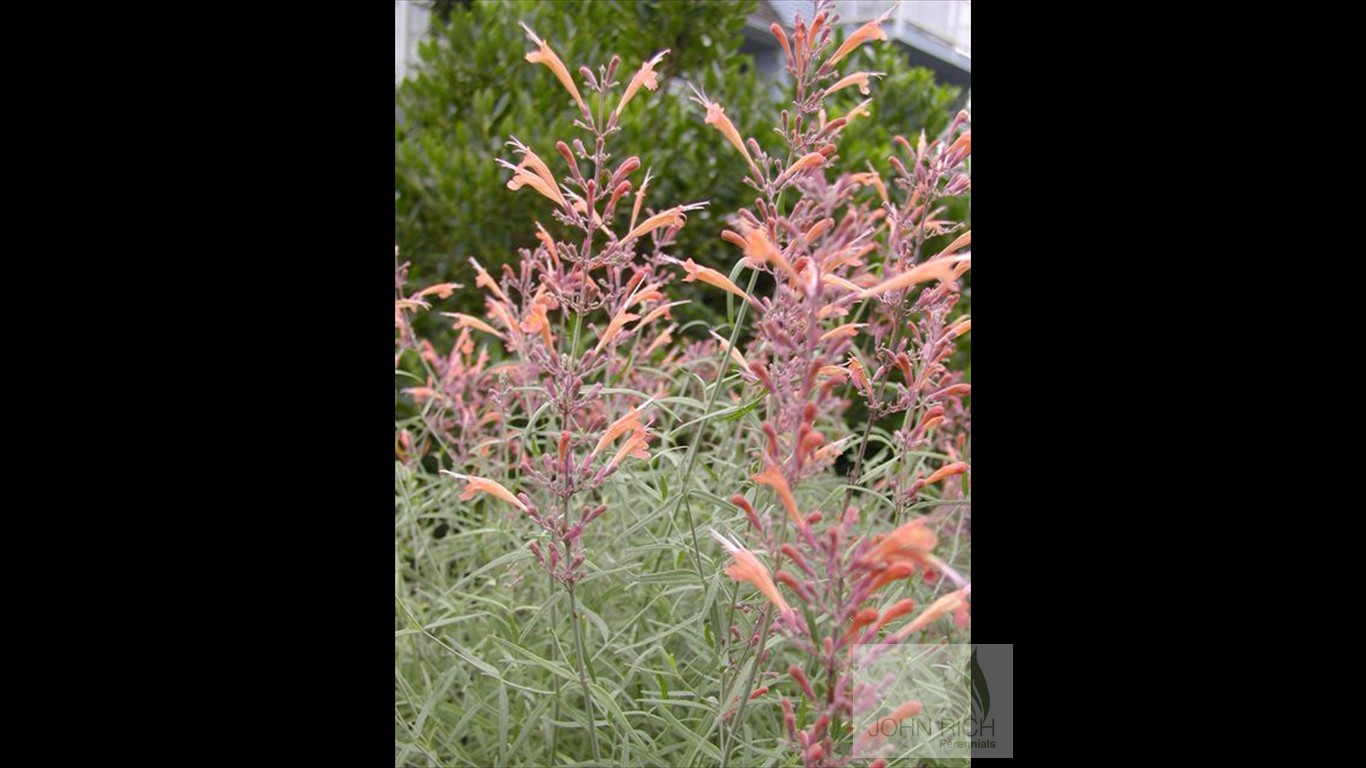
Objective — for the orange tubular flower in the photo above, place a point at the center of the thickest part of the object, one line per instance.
(665, 336)
(499, 311)
(645, 77)
(861, 109)
(485, 281)
(831, 451)
(948, 470)
(859, 375)
(759, 250)
(549, 242)
(475, 485)
(814, 29)
(782, 40)
(870, 31)
(614, 328)
(467, 321)
(891, 574)
(818, 229)
(521, 177)
(874, 735)
(862, 619)
(858, 78)
(840, 282)
(618, 428)
(712, 277)
(658, 312)
(898, 609)
(963, 144)
(846, 331)
(420, 393)
(649, 293)
(733, 238)
(806, 163)
(877, 182)
(745, 566)
(442, 290)
(535, 163)
(640, 198)
(940, 269)
(536, 320)
(671, 218)
(636, 445)
(959, 242)
(811, 442)
(909, 709)
(734, 351)
(547, 57)
(952, 602)
(911, 542)
(716, 115)
(775, 480)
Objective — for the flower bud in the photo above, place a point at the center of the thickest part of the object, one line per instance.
(800, 677)
(588, 75)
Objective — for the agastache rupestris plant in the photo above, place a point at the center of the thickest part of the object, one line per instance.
(913, 342)
(606, 275)
(832, 256)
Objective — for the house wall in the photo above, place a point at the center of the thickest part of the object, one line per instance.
(410, 24)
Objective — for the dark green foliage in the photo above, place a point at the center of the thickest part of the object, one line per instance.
(905, 102)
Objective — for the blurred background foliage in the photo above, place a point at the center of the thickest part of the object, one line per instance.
(473, 88)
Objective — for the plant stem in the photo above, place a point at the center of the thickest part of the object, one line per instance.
(723, 365)
(728, 734)
(583, 672)
(555, 715)
(580, 660)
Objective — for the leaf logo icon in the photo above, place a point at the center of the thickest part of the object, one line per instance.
(981, 697)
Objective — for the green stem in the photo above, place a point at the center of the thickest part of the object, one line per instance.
(727, 694)
(555, 715)
(583, 673)
(581, 662)
(723, 366)
(728, 734)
